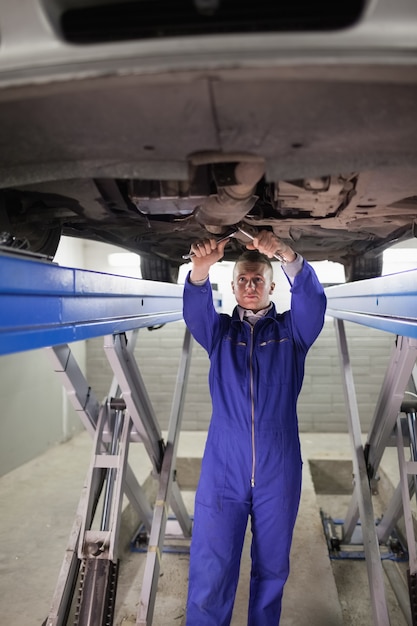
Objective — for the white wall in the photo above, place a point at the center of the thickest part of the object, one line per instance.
(35, 412)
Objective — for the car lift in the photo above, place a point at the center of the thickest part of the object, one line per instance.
(389, 304)
(47, 306)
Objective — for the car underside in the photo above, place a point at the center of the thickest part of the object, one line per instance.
(349, 218)
(151, 137)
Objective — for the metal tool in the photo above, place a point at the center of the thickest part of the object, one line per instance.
(233, 233)
(230, 234)
(251, 237)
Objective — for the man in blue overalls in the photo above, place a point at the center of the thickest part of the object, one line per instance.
(252, 461)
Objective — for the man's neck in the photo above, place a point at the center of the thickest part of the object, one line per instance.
(254, 314)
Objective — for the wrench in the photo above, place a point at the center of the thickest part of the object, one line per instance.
(251, 237)
(228, 236)
(233, 233)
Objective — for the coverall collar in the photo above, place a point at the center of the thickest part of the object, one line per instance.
(239, 312)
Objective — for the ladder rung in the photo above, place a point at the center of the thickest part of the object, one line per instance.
(411, 467)
(107, 460)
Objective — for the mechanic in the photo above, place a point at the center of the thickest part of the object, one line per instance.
(252, 461)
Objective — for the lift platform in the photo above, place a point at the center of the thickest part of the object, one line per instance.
(389, 304)
(47, 306)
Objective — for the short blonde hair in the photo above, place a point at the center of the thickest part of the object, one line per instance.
(254, 256)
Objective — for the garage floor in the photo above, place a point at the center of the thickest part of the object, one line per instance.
(38, 506)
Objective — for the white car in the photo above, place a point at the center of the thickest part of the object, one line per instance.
(148, 124)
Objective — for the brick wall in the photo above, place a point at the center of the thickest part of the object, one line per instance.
(321, 405)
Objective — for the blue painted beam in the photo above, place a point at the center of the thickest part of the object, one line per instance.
(42, 304)
(388, 303)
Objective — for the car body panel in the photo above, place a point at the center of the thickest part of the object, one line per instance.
(131, 142)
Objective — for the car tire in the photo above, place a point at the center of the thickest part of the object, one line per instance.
(363, 267)
(158, 269)
(41, 242)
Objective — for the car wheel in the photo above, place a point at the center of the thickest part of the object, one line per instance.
(363, 267)
(159, 269)
(42, 242)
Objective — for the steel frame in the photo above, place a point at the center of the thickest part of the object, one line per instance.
(44, 305)
(139, 425)
(388, 304)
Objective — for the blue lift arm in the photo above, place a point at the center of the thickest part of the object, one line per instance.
(388, 303)
(43, 304)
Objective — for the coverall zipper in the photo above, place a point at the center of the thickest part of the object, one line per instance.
(252, 481)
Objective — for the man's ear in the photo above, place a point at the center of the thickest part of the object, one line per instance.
(272, 287)
(233, 286)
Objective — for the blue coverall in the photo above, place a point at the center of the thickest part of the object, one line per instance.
(252, 461)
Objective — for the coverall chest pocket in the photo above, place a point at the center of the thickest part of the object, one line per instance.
(274, 361)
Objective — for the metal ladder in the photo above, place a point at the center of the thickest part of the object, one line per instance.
(388, 304)
(48, 306)
(86, 588)
(408, 484)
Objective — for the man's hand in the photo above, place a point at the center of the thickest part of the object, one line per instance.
(269, 244)
(206, 252)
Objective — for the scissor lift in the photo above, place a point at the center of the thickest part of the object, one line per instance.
(389, 304)
(47, 306)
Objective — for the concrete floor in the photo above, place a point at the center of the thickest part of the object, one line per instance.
(39, 501)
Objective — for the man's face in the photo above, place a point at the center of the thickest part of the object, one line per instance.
(252, 285)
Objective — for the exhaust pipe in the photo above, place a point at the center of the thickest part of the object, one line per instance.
(232, 202)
